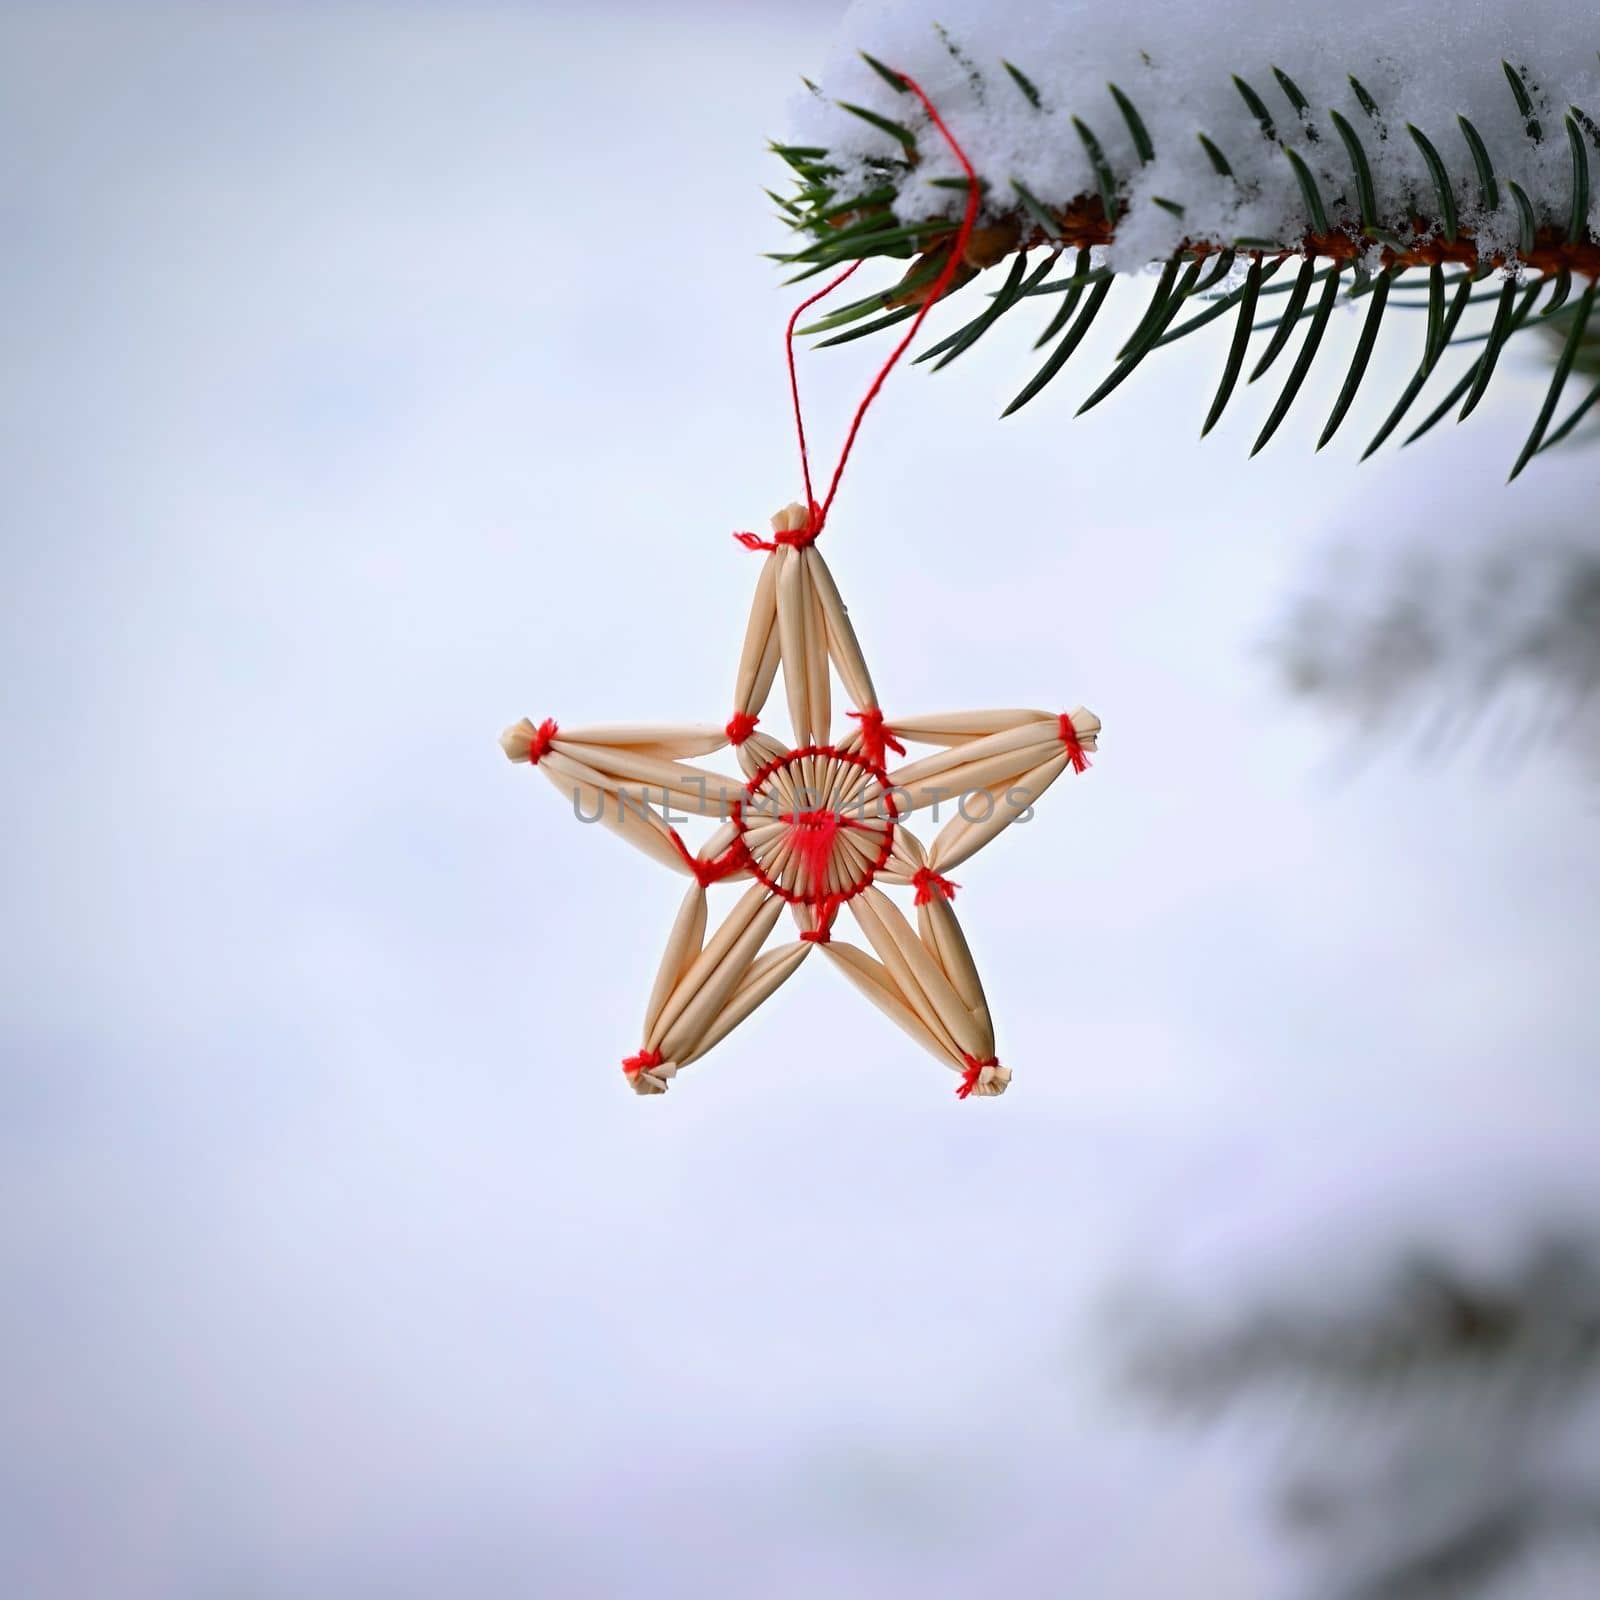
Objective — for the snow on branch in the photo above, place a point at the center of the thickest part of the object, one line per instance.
(1373, 152)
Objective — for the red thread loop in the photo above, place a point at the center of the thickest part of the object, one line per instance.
(645, 1061)
(824, 911)
(740, 726)
(1076, 754)
(876, 736)
(707, 873)
(969, 1078)
(541, 741)
(952, 265)
(928, 883)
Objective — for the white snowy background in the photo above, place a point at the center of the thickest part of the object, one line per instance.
(375, 375)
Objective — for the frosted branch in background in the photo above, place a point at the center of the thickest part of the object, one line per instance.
(1496, 645)
(1424, 1361)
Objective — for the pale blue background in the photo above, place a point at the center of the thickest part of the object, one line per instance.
(374, 375)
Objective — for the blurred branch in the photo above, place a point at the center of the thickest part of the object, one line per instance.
(1446, 637)
(1441, 1460)
(1430, 1321)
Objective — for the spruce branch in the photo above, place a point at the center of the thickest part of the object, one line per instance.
(1352, 238)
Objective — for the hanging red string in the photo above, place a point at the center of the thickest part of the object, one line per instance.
(818, 514)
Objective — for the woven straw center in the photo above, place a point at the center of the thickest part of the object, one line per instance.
(817, 824)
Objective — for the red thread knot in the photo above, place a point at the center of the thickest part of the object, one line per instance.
(1076, 754)
(969, 1078)
(928, 883)
(825, 910)
(643, 1062)
(707, 873)
(740, 726)
(876, 736)
(795, 538)
(543, 735)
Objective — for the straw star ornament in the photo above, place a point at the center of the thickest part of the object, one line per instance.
(818, 825)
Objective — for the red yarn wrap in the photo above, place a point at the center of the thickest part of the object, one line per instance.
(1076, 754)
(928, 883)
(740, 726)
(825, 911)
(796, 538)
(969, 1078)
(876, 737)
(707, 873)
(643, 1062)
(542, 737)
